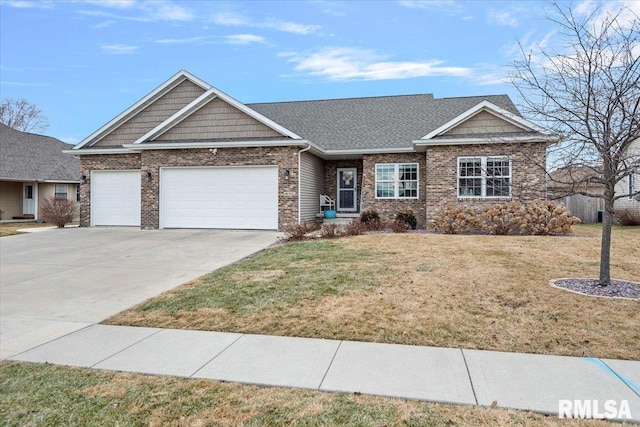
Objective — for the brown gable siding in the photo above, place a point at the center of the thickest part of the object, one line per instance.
(483, 122)
(218, 120)
(152, 115)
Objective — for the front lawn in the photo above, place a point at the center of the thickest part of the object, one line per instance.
(482, 292)
(45, 395)
(11, 228)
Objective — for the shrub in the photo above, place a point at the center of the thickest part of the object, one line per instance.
(356, 228)
(455, 219)
(398, 226)
(368, 216)
(544, 217)
(329, 231)
(502, 219)
(58, 211)
(628, 217)
(407, 217)
(298, 232)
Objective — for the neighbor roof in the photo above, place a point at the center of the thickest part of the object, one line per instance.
(377, 122)
(30, 157)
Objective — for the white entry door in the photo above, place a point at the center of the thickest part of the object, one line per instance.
(29, 199)
(347, 189)
(243, 197)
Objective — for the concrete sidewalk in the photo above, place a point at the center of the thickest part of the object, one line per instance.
(512, 380)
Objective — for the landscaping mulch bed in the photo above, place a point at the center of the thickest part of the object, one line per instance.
(617, 288)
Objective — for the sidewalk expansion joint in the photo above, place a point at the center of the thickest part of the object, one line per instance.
(634, 387)
(469, 375)
(127, 347)
(51, 340)
(330, 364)
(216, 356)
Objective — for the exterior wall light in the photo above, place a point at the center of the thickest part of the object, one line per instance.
(83, 179)
(147, 177)
(286, 174)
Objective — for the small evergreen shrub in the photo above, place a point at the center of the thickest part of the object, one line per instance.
(407, 217)
(628, 217)
(58, 211)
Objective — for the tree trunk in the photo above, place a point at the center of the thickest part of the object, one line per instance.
(605, 245)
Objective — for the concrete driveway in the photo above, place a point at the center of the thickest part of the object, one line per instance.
(56, 282)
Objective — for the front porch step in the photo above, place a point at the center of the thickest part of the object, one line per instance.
(342, 219)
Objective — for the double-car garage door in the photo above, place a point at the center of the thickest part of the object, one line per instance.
(191, 197)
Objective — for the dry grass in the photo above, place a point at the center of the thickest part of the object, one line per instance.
(482, 292)
(46, 395)
(11, 228)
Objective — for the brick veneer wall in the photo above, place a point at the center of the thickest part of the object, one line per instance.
(101, 162)
(388, 208)
(528, 179)
(331, 178)
(286, 158)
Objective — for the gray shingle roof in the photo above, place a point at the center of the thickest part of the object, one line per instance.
(372, 123)
(31, 157)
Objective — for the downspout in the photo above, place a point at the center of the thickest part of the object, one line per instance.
(300, 182)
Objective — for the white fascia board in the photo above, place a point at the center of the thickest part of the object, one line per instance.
(370, 151)
(213, 144)
(89, 151)
(489, 107)
(60, 181)
(493, 140)
(172, 82)
(259, 117)
(177, 117)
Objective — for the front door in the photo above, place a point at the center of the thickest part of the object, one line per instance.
(29, 201)
(347, 189)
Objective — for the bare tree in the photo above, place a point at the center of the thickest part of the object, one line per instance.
(588, 92)
(22, 115)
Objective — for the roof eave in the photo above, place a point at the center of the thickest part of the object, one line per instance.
(548, 139)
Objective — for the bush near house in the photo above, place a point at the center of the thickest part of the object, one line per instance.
(539, 217)
(58, 211)
(628, 217)
(406, 216)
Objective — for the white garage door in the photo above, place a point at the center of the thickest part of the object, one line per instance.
(219, 197)
(115, 198)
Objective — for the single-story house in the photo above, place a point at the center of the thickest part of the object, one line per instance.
(32, 168)
(188, 155)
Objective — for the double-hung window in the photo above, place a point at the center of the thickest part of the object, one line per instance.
(60, 192)
(484, 176)
(397, 181)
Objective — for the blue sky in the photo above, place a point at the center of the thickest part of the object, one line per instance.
(83, 62)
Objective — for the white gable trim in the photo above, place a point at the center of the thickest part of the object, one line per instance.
(90, 151)
(490, 108)
(484, 140)
(165, 87)
(215, 144)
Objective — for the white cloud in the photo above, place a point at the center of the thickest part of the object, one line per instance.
(119, 49)
(234, 19)
(168, 12)
(151, 11)
(628, 11)
(29, 4)
(451, 7)
(342, 64)
(502, 17)
(117, 4)
(22, 84)
(197, 39)
(244, 39)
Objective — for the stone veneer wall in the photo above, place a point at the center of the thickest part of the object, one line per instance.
(152, 160)
(442, 168)
(388, 208)
(101, 162)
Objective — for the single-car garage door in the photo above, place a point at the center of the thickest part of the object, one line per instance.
(115, 197)
(219, 197)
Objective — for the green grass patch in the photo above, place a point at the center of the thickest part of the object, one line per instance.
(282, 275)
(46, 395)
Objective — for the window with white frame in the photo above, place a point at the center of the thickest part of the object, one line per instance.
(484, 176)
(78, 193)
(60, 192)
(397, 181)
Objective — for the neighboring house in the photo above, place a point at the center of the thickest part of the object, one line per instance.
(32, 168)
(189, 156)
(630, 185)
(564, 183)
